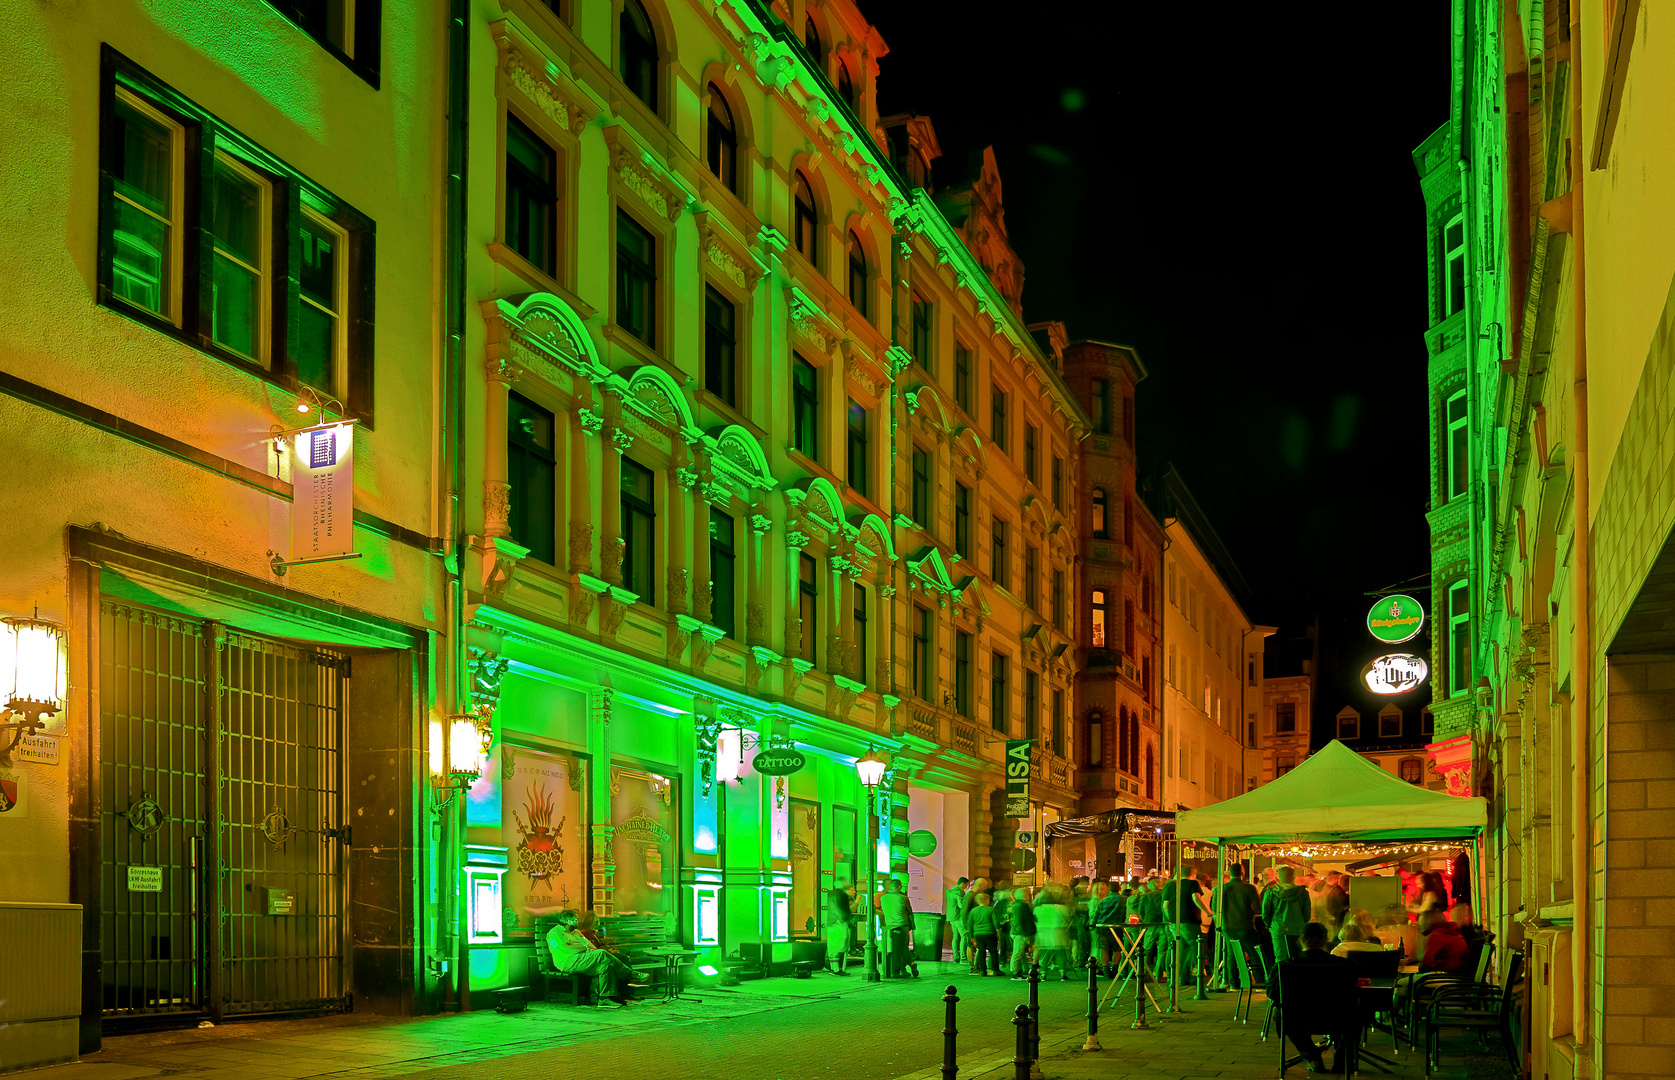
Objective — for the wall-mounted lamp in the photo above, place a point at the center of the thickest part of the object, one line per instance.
(459, 745)
(34, 687)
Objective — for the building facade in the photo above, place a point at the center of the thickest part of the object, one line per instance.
(213, 239)
(764, 459)
(1551, 512)
(1212, 671)
(1118, 722)
(1283, 740)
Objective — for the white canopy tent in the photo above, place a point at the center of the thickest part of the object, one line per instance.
(1336, 795)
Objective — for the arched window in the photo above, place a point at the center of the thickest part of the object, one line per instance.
(805, 222)
(1122, 738)
(637, 52)
(1096, 739)
(857, 274)
(723, 141)
(811, 41)
(1150, 773)
(846, 86)
(1099, 513)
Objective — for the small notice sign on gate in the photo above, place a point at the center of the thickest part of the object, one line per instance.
(145, 879)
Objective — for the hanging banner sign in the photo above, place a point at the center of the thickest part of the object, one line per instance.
(1017, 777)
(1395, 619)
(779, 762)
(323, 483)
(1395, 673)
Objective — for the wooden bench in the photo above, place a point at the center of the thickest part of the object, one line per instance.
(632, 936)
(577, 984)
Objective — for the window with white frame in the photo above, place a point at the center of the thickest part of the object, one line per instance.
(1454, 265)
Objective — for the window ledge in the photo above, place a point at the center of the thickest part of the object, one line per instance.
(732, 414)
(535, 278)
(642, 352)
(798, 458)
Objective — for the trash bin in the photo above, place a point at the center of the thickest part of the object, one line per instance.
(927, 935)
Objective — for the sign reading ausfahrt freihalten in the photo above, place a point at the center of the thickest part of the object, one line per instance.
(1395, 619)
(1017, 777)
(1395, 673)
(145, 879)
(779, 762)
(323, 492)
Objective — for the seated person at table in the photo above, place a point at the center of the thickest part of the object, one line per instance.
(1446, 949)
(1460, 916)
(572, 951)
(1316, 939)
(1352, 939)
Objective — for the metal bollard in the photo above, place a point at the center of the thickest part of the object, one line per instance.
(949, 1054)
(1035, 1022)
(1092, 1042)
(1021, 1059)
(1198, 962)
(1175, 972)
(1140, 994)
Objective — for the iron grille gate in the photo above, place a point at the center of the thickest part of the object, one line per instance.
(199, 725)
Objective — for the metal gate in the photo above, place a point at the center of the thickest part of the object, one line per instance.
(222, 883)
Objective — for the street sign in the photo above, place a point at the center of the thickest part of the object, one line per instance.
(921, 842)
(1023, 859)
(1395, 619)
(1026, 839)
(1395, 673)
(145, 879)
(779, 762)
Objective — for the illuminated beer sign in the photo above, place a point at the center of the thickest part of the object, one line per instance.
(1395, 619)
(1395, 673)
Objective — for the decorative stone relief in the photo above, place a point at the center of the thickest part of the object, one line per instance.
(755, 622)
(497, 508)
(581, 605)
(686, 478)
(487, 672)
(645, 186)
(793, 635)
(502, 369)
(761, 523)
(702, 646)
(753, 670)
(581, 542)
(540, 91)
(794, 673)
(856, 371)
(723, 260)
(703, 601)
(674, 643)
(677, 576)
(621, 439)
(610, 558)
(610, 619)
(592, 421)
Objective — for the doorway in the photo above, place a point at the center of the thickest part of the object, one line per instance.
(221, 820)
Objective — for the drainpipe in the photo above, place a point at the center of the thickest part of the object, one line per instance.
(453, 452)
(1581, 666)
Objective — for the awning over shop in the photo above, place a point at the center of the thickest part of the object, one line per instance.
(1335, 794)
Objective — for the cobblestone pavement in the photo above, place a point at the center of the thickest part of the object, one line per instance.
(778, 1029)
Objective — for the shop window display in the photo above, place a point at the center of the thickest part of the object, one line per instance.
(643, 812)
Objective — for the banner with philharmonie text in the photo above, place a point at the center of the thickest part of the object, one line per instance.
(323, 484)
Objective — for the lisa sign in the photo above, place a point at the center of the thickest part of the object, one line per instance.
(1395, 619)
(1395, 673)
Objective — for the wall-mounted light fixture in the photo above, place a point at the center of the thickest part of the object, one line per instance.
(33, 688)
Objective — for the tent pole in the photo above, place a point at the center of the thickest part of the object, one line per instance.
(1219, 920)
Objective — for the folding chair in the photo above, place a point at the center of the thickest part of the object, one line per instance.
(1319, 999)
(1246, 988)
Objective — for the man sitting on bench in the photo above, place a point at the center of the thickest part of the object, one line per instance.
(573, 952)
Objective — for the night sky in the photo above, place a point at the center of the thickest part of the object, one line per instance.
(1230, 190)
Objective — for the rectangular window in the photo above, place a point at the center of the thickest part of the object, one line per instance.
(1128, 419)
(1032, 704)
(1390, 724)
(997, 417)
(1058, 482)
(1459, 458)
(1058, 599)
(962, 673)
(1099, 406)
(1285, 718)
(921, 486)
(1454, 262)
(962, 520)
(241, 218)
(805, 407)
(531, 197)
(861, 650)
(1349, 724)
(808, 604)
(720, 374)
(1000, 701)
(921, 336)
(924, 634)
(997, 552)
(962, 379)
(260, 267)
(639, 522)
(723, 582)
(1459, 639)
(1101, 611)
(1128, 628)
(529, 476)
(1058, 722)
(1032, 576)
(348, 29)
(636, 279)
(859, 461)
(1031, 472)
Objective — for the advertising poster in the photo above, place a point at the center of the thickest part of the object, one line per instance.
(543, 796)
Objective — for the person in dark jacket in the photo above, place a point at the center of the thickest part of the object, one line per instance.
(1316, 940)
(1022, 932)
(980, 927)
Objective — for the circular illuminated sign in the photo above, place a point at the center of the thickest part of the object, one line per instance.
(1395, 673)
(1395, 619)
(921, 842)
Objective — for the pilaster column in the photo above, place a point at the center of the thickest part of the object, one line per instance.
(841, 620)
(677, 540)
(755, 569)
(703, 590)
(601, 785)
(611, 445)
(497, 506)
(581, 511)
(794, 629)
